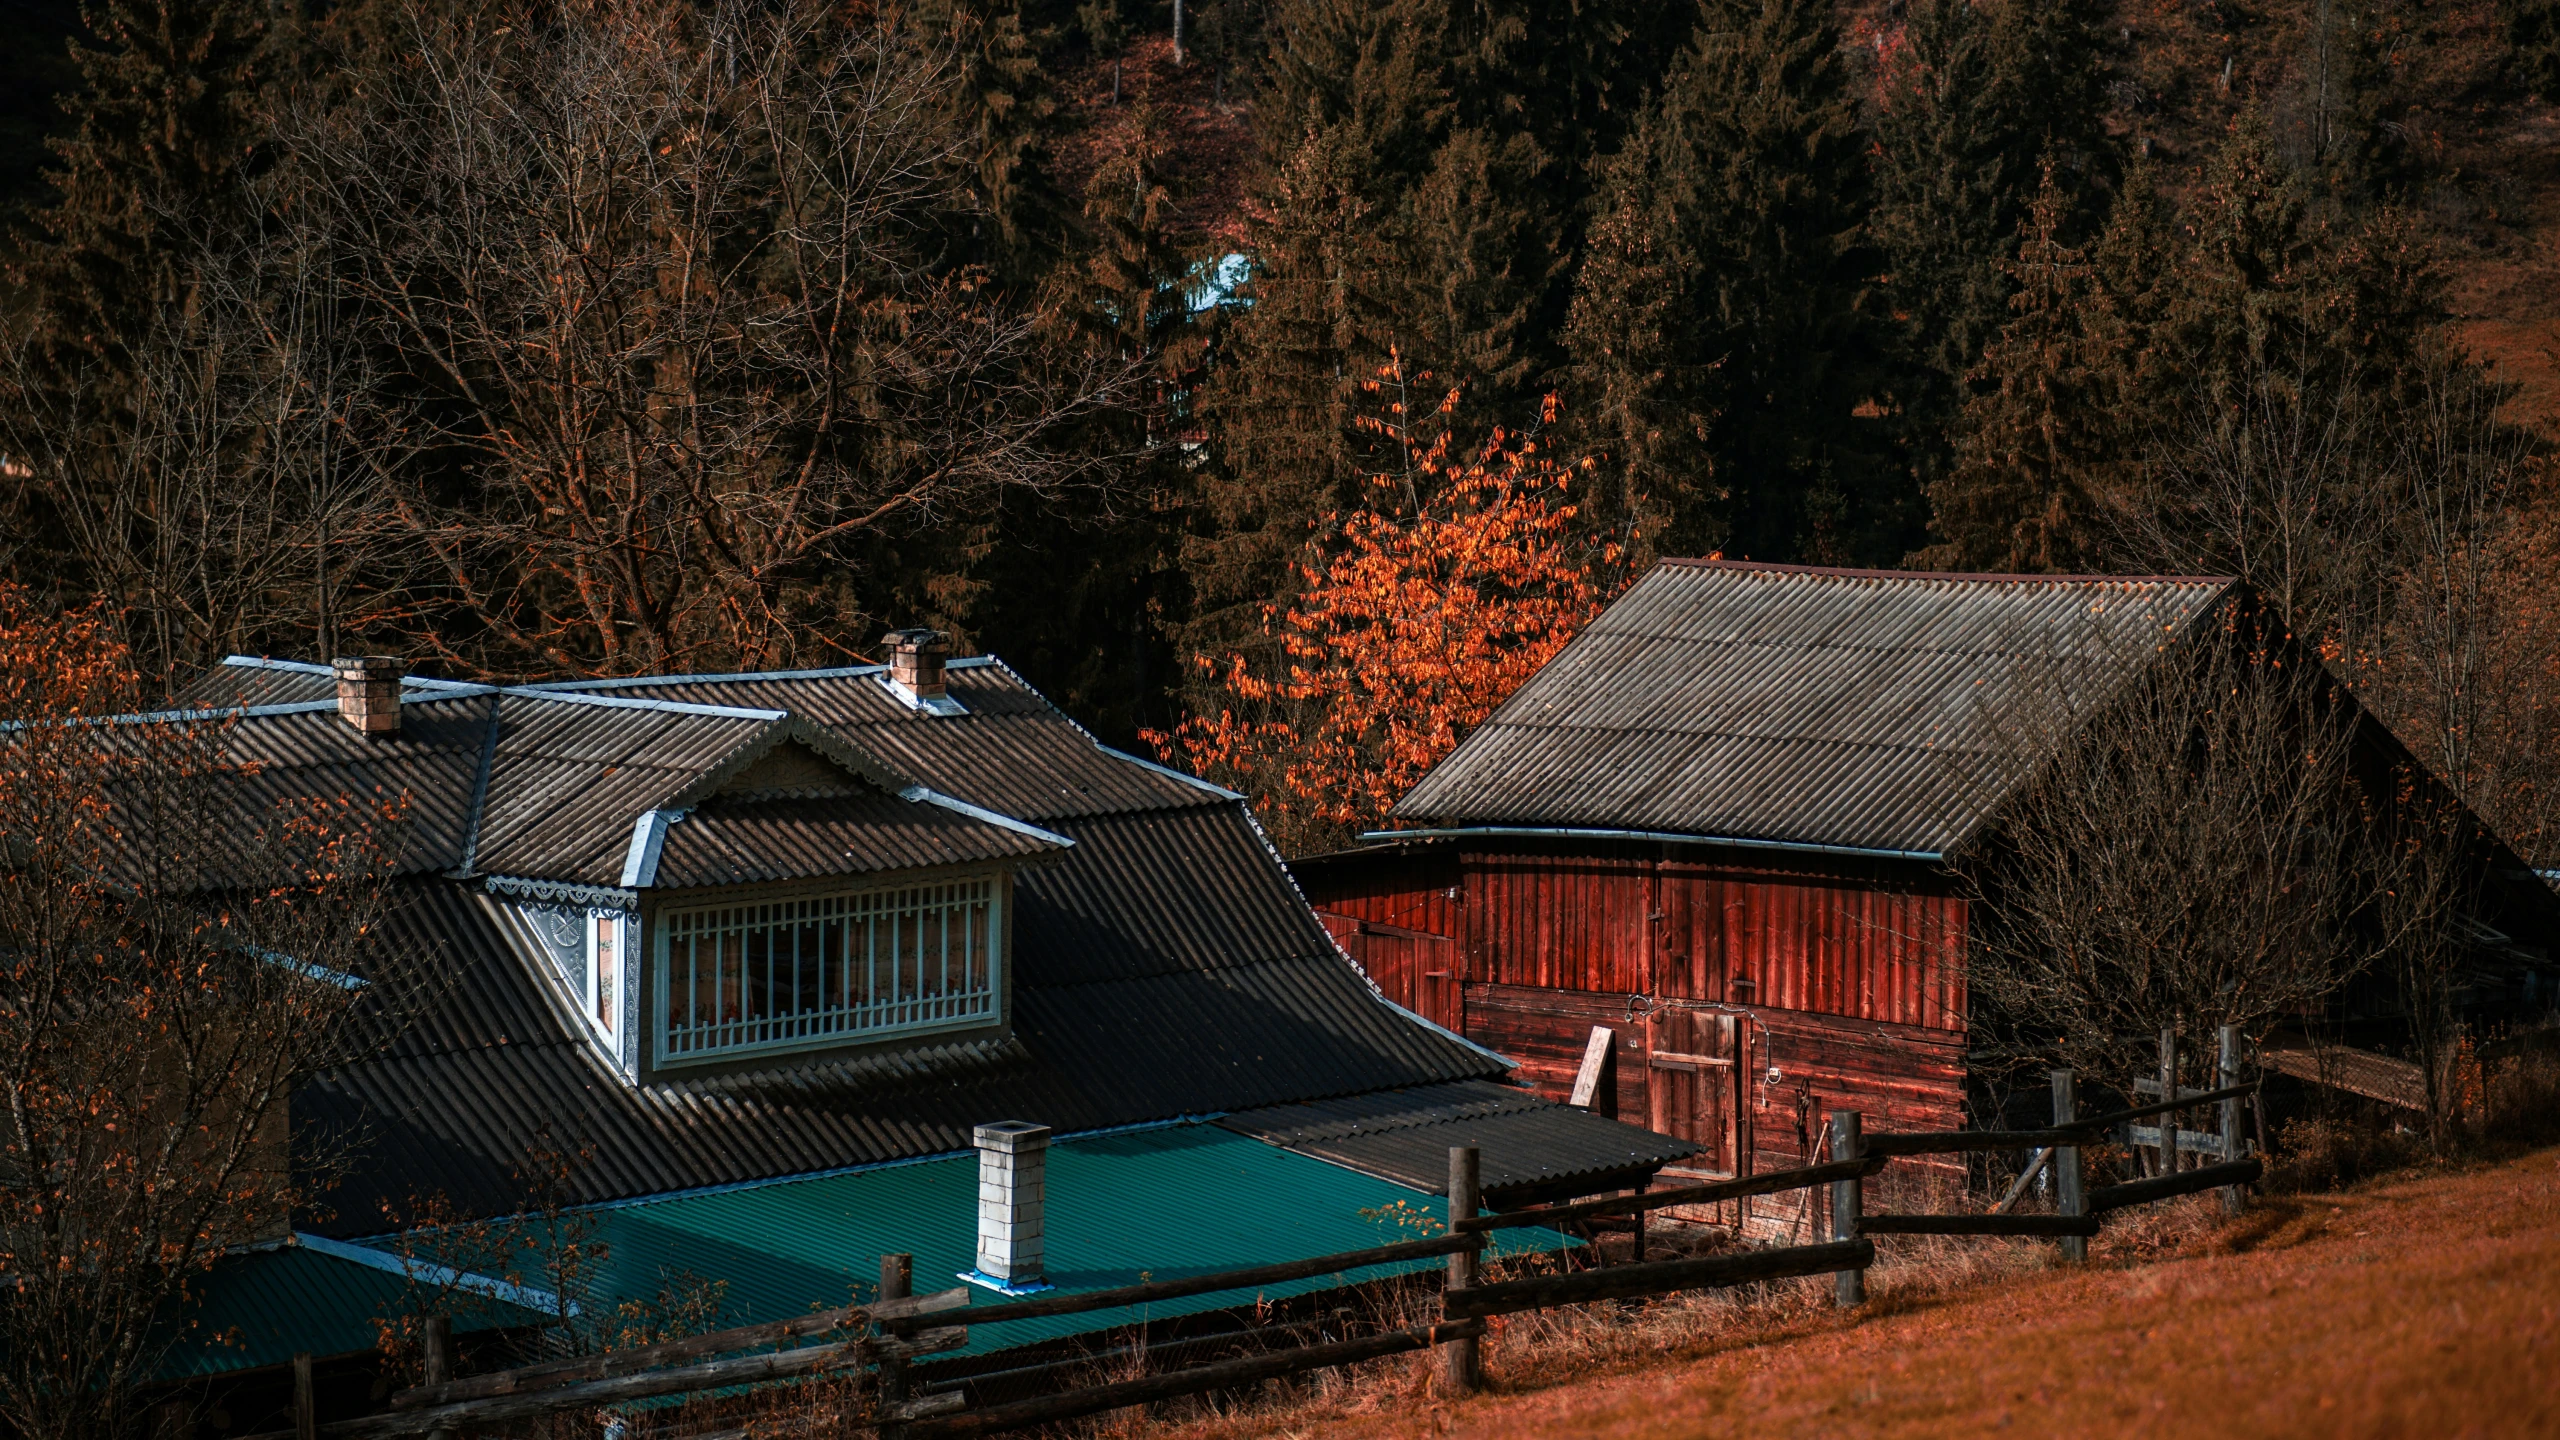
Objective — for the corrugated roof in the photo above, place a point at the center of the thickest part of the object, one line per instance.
(1163, 964)
(1142, 992)
(1013, 752)
(264, 1307)
(1160, 1203)
(1865, 709)
(1405, 1136)
(738, 842)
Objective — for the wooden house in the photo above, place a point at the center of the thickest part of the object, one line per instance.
(1716, 827)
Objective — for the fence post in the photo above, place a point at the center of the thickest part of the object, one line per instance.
(897, 1282)
(2226, 1075)
(2068, 1197)
(2169, 1096)
(1460, 1370)
(306, 1417)
(439, 1366)
(1849, 1287)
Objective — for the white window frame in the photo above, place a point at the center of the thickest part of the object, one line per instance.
(866, 916)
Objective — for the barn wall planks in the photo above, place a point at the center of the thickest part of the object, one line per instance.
(1848, 976)
(1415, 970)
(1623, 922)
(1547, 1030)
(1898, 1077)
(1408, 891)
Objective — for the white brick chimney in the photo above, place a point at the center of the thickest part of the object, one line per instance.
(369, 692)
(1013, 1165)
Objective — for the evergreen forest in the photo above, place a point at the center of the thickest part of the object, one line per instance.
(579, 337)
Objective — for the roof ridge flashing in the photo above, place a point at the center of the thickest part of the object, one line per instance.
(740, 677)
(918, 794)
(1840, 572)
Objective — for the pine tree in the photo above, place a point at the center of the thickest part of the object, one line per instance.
(1727, 347)
(1975, 100)
(108, 290)
(1001, 104)
(2016, 500)
(162, 130)
(1278, 406)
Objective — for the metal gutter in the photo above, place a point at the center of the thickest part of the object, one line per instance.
(1550, 832)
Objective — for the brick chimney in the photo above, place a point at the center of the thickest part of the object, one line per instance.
(1013, 1165)
(915, 660)
(369, 692)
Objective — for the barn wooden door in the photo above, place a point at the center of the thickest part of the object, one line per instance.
(1694, 1078)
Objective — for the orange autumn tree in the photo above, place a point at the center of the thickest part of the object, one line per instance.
(1420, 613)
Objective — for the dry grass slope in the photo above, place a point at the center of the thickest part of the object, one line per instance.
(2409, 1306)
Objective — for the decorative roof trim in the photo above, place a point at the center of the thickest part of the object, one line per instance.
(917, 794)
(859, 764)
(648, 841)
(542, 1301)
(560, 892)
(1168, 772)
(1559, 832)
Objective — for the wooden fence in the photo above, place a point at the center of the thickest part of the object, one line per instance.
(889, 1335)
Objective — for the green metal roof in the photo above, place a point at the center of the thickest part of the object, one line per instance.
(266, 1306)
(1159, 1204)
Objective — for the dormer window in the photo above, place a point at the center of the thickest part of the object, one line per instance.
(773, 975)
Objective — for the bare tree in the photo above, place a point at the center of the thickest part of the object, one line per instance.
(200, 469)
(174, 960)
(671, 287)
(2193, 847)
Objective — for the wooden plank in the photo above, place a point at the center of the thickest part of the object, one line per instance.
(2185, 1182)
(1661, 1277)
(1948, 1142)
(1675, 1060)
(2026, 1177)
(643, 1357)
(2047, 1226)
(1077, 1304)
(1595, 1063)
(2189, 1141)
(1094, 1399)
(501, 1409)
(1768, 1184)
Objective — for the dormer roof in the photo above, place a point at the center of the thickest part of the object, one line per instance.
(576, 786)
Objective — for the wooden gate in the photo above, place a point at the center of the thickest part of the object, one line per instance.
(1694, 1081)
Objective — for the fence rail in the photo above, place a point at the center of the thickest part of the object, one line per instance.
(899, 1328)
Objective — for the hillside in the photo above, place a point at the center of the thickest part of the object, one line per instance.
(2410, 1307)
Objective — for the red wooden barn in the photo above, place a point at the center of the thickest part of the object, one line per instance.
(1712, 825)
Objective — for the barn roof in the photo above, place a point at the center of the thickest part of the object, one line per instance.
(1859, 710)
